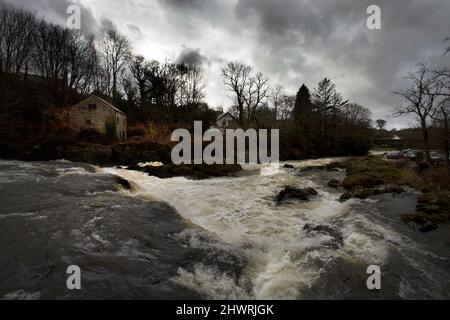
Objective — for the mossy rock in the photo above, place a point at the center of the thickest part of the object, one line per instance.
(334, 184)
(295, 193)
(425, 221)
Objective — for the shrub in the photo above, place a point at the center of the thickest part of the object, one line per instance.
(110, 126)
(136, 131)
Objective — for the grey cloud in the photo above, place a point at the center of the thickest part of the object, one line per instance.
(107, 25)
(192, 57)
(292, 41)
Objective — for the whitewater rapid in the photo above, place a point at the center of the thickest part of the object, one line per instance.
(284, 261)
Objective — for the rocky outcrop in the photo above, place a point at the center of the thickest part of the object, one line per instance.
(197, 172)
(296, 193)
(364, 193)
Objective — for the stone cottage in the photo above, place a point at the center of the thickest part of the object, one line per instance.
(226, 121)
(94, 113)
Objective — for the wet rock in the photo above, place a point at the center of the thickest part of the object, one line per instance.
(288, 166)
(296, 193)
(329, 230)
(334, 184)
(423, 221)
(123, 183)
(345, 196)
(197, 172)
(363, 193)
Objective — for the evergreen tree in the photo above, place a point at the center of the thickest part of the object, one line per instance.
(303, 103)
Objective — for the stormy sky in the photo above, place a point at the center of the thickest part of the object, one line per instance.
(291, 41)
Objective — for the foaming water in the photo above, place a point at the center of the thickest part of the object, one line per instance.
(234, 242)
(284, 260)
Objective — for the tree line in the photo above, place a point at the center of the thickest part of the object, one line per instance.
(321, 122)
(56, 66)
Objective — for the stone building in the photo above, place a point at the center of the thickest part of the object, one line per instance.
(226, 121)
(94, 113)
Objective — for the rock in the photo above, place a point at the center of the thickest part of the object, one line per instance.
(424, 221)
(124, 183)
(392, 188)
(295, 193)
(428, 226)
(198, 172)
(329, 230)
(363, 193)
(334, 184)
(345, 196)
(288, 166)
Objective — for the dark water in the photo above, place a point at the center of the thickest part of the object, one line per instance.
(53, 215)
(233, 241)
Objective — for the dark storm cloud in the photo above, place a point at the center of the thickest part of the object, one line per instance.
(107, 25)
(295, 31)
(292, 41)
(192, 57)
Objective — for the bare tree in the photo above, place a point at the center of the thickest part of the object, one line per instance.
(276, 101)
(421, 99)
(236, 78)
(381, 124)
(257, 92)
(192, 86)
(357, 115)
(17, 28)
(116, 50)
(250, 92)
(50, 53)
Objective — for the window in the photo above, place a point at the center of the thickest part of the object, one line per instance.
(92, 106)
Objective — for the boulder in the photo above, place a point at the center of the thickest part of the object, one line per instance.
(288, 166)
(329, 230)
(123, 183)
(296, 193)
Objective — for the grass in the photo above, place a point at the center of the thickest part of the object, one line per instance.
(383, 149)
(373, 175)
(373, 172)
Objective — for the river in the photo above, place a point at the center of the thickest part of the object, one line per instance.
(221, 238)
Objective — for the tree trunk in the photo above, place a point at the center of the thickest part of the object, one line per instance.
(426, 142)
(446, 137)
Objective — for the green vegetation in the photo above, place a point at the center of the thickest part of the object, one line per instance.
(373, 176)
(374, 172)
(433, 206)
(382, 149)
